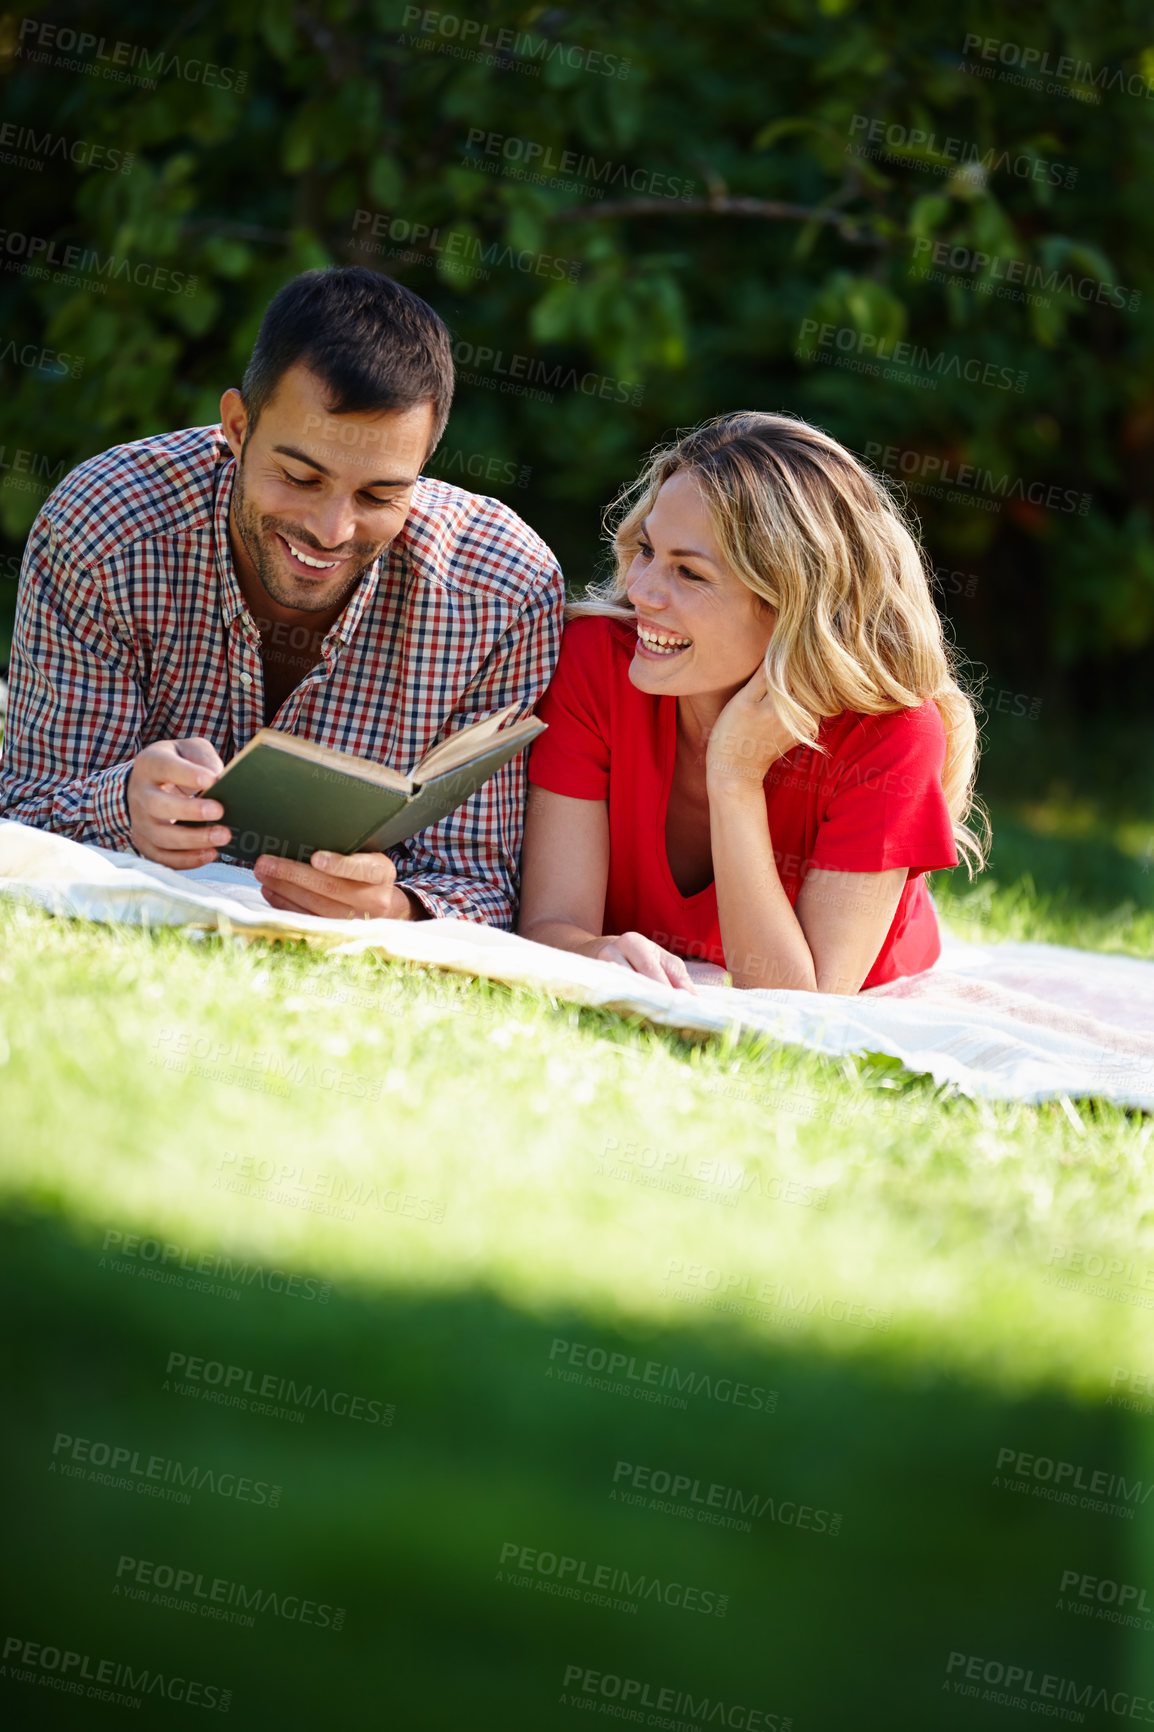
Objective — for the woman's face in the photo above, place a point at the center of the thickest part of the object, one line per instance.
(700, 629)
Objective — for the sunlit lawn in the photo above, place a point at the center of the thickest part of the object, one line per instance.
(147, 1070)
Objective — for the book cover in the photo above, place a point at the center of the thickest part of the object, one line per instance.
(284, 795)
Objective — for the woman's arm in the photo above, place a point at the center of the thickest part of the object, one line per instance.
(832, 938)
(564, 874)
(828, 943)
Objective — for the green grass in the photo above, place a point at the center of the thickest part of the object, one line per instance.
(192, 1063)
(909, 1319)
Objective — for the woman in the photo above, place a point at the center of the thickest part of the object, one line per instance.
(756, 744)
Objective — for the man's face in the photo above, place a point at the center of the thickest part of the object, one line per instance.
(317, 497)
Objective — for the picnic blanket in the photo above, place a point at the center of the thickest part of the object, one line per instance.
(998, 1021)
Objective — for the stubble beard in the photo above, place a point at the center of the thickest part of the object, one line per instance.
(256, 533)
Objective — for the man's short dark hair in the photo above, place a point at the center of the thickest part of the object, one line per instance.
(372, 342)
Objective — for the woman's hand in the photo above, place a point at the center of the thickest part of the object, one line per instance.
(640, 954)
(748, 737)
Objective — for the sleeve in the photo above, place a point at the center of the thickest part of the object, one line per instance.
(572, 756)
(468, 866)
(886, 807)
(75, 708)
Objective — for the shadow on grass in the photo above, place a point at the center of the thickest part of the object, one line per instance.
(502, 1440)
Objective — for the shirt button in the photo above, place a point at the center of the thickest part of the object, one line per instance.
(246, 679)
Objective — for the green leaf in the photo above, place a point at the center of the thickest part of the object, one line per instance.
(927, 214)
(279, 29)
(225, 257)
(299, 147)
(195, 313)
(793, 126)
(385, 181)
(459, 262)
(555, 317)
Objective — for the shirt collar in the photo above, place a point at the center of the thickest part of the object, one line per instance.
(233, 603)
(347, 623)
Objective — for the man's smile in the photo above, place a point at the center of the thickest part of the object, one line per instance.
(307, 561)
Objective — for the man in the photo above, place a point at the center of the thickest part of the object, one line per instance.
(287, 568)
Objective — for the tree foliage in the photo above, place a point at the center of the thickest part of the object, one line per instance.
(633, 218)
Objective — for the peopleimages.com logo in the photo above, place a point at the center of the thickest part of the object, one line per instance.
(240, 1386)
(667, 1492)
(892, 142)
(521, 375)
(460, 247)
(909, 363)
(163, 1261)
(218, 1597)
(27, 471)
(968, 483)
(80, 51)
(733, 1289)
(994, 274)
(1108, 1598)
(534, 160)
(1022, 64)
(1019, 1689)
(470, 39)
(38, 359)
(651, 1380)
(70, 263)
(157, 1476)
(76, 1674)
(1070, 1482)
(23, 147)
(599, 1584)
(663, 1700)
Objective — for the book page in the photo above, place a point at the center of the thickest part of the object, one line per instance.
(465, 745)
(443, 793)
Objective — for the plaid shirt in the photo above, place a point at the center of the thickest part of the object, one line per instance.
(131, 627)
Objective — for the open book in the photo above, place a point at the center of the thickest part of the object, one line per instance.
(284, 795)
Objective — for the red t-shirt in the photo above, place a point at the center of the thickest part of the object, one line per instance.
(871, 802)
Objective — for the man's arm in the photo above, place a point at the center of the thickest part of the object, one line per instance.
(72, 760)
(74, 711)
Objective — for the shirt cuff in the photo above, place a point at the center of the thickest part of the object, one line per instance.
(449, 898)
(109, 809)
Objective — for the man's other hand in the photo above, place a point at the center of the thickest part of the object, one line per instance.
(337, 887)
(164, 786)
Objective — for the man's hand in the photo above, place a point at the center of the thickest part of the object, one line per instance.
(162, 789)
(337, 887)
(747, 738)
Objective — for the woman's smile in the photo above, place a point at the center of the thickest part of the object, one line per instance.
(654, 642)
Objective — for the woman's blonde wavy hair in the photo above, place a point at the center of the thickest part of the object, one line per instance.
(816, 535)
